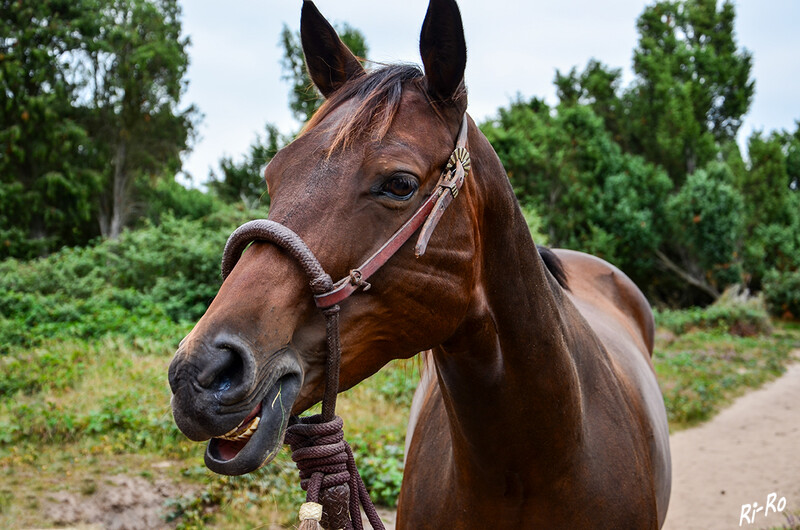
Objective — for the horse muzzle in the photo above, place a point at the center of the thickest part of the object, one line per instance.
(222, 394)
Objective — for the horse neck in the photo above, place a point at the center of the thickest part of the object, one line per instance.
(509, 382)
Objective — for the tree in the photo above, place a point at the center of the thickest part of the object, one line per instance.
(772, 215)
(136, 65)
(590, 195)
(47, 184)
(89, 93)
(693, 85)
(244, 181)
(766, 185)
(598, 87)
(682, 113)
(705, 230)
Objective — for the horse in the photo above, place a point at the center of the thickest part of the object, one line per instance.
(538, 404)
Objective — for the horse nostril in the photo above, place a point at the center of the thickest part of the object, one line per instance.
(223, 371)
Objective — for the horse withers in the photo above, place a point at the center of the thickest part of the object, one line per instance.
(538, 405)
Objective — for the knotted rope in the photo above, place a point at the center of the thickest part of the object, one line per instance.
(325, 460)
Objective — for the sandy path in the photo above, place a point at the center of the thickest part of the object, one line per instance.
(748, 451)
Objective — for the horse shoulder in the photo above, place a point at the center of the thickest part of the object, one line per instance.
(428, 454)
(601, 291)
(615, 309)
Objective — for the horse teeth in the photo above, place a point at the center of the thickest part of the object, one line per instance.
(237, 434)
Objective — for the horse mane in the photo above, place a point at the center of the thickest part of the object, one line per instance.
(378, 94)
(554, 265)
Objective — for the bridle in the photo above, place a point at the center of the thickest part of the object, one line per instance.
(325, 460)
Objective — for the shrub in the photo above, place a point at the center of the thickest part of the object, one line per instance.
(707, 225)
(735, 312)
(535, 223)
(782, 293)
(136, 286)
(380, 464)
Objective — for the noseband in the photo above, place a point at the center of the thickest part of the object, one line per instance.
(325, 460)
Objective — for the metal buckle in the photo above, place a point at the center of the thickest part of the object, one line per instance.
(357, 279)
(451, 185)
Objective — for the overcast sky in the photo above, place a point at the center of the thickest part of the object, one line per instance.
(514, 47)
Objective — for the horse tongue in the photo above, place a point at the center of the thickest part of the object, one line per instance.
(228, 449)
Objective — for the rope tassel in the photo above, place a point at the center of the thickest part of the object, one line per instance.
(310, 516)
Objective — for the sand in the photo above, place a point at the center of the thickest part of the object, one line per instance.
(745, 453)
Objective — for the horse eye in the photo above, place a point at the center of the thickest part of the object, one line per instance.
(400, 187)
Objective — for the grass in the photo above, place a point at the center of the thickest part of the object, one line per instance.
(792, 521)
(702, 371)
(75, 411)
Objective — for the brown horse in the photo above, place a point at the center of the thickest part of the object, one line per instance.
(538, 407)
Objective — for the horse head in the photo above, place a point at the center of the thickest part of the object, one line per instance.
(361, 167)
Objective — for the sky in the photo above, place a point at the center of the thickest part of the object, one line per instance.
(514, 47)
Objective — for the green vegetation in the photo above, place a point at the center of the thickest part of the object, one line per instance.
(735, 312)
(135, 286)
(701, 371)
(88, 334)
(782, 290)
(706, 356)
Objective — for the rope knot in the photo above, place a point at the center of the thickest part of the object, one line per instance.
(321, 284)
(319, 447)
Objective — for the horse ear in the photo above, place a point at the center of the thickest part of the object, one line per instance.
(330, 63)
(443, 49)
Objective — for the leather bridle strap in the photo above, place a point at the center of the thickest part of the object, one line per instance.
(429, 213)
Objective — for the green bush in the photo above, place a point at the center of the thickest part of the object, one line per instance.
(735, 312)
(707, 223)
(535, 223)
(380, 464)
(782, 293)
(168, 196)
(138, 285)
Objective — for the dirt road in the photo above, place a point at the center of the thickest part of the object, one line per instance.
(747, 452)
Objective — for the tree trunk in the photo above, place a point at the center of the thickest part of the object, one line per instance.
(689, 278)
(114, 214)
(119, 212)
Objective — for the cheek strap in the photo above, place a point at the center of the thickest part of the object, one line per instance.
(427, 216)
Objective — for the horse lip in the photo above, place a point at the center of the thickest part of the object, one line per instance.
(267, 440)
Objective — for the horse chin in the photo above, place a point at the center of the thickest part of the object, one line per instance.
(238, 455)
